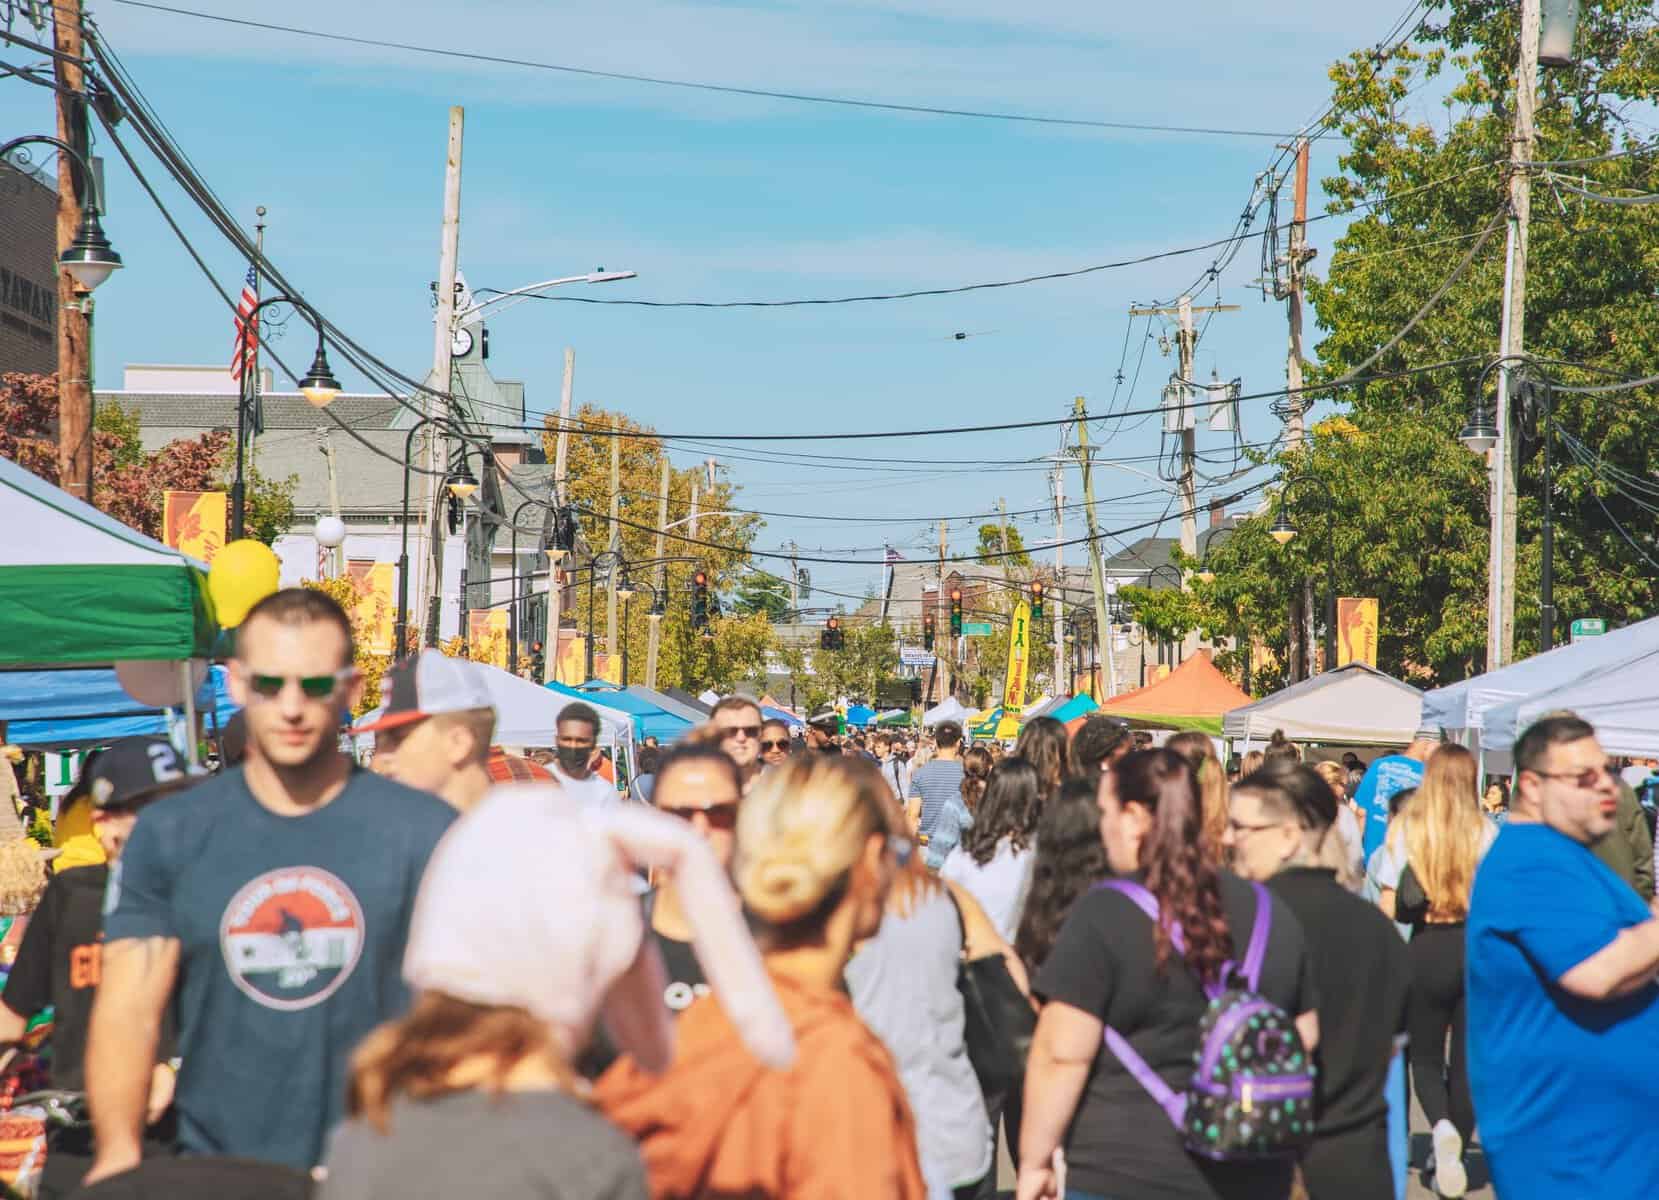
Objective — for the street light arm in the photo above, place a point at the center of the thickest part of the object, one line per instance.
(501, 301)
(91, 178)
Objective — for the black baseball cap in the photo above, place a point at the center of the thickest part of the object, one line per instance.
(138, 768)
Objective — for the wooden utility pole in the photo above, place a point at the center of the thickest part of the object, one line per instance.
(654, 634)
(1058, 598)
(437, 444)
(614, 545)
(75, 441)
(1102, 616)
(691, 521)
(555, 588)
(1297, 266)
(1500, 618)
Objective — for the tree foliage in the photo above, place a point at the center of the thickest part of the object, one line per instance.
(128, 482)
(763, 594)
(993, 539)
(1406, 518)
(869, 657)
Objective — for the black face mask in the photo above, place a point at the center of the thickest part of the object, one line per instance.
(573, 759)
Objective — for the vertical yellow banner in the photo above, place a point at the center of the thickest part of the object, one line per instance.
(570, 666)
(1019, 659)
(1357, 625)
(193, 523)
(376, 603)
(487, 636)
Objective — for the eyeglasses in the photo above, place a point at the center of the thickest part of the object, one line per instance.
(315, 687)
(1586, 778)
(749, 731)
(778, 745)
(1239, 827)
(719, 816)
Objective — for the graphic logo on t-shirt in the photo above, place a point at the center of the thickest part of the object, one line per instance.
(291, 937)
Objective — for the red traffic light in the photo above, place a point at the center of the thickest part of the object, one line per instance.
(835, 622)
(700, 579)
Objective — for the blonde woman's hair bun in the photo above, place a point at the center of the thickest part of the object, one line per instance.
(780, 890)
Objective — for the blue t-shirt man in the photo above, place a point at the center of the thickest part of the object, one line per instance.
(291, 934)
(938, 784)
(1564, 1087)
(1386, 776)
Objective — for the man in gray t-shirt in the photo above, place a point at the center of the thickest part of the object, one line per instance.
(936, 808)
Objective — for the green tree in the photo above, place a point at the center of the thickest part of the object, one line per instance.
(869, 657)
(992, 539)
(763, 594)
(1407, 516)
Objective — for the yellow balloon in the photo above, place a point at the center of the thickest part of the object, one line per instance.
(243, 573)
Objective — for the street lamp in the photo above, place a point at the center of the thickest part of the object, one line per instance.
(1532, 410)
(501, 301)
(457, 483)
(89, 260)
(1282, 531)
(318, 386)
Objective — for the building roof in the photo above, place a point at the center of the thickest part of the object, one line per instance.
(163, 416)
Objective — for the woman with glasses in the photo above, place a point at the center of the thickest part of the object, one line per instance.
(816, 854)
(1113, 967)
(1282, 831)
(1445, 837)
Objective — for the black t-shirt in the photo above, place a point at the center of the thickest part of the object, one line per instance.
(58, 965)
(685, 974)
(1120, 1142)
(1362, 973)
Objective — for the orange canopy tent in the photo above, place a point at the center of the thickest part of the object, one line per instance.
(1193, 696)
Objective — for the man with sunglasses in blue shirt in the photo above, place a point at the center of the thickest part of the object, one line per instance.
(275, 899)
(1563, 1005)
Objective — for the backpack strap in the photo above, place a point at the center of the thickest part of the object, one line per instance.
(1260, 928)
(1173, 1104)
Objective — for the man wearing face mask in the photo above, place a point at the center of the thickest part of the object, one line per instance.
(578, 736)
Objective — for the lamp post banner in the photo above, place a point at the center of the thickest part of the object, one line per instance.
(1019, 658)
(193, 523)
(1357, 623)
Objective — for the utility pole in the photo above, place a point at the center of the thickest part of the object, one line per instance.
(654, 633)
(1102, 617)
(692, 519)
(449, 247)
(1297, 264)
(794, 581)
(614, 545)
(1500, 617)
(942, 624)
(555, 587)
(1058, 599)
(337, 555)
(75, 440)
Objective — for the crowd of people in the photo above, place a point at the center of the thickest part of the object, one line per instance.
(841, 966)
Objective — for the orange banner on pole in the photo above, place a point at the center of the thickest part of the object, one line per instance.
(487, 636)
(375, 614)
(1357, 627)
(193, 523)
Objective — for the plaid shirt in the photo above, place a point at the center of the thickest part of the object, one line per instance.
(510, 768)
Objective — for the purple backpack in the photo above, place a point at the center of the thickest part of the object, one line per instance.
(1251, 1094)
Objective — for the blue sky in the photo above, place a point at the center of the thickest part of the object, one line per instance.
(715, 197)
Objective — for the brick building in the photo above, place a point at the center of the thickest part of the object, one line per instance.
(28, 272)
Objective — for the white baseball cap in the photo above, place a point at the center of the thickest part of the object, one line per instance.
(425, 686)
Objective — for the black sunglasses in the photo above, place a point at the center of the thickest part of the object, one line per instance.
(719, 816)
(778, 745)
(315, 687)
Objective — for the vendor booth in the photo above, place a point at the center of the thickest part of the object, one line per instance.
(645, 719)
(1619, 699)
(951, 710)
(47, 710)
(1193, 696)
(1352, 706)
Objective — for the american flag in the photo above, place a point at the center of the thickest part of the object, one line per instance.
(244, 353)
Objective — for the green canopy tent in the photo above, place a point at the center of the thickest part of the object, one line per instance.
(79, 588)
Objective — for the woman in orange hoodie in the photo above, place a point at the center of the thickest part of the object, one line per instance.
(817, 850)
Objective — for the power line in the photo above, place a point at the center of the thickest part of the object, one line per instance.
(693, 85)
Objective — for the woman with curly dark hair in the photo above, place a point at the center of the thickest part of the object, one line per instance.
(1069, 861)
(993, 859)
(1113, 967)
(976, 771)
(1044, 743)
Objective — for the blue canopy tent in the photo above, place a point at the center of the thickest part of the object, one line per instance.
(1080, 705)
(668, 704)
(649, 720)
(88, 707)
(860, 715)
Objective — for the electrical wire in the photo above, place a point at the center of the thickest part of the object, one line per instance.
(724, 89)
(1602, 197)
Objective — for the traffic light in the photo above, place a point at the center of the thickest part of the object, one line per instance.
(538, 663)
(1036, 599)
(700, 600)
(927, 631)
(831, 638)
(956, 612)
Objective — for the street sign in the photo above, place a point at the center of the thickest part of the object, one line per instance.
(1588, 627)
(915, 656)
(976, 629)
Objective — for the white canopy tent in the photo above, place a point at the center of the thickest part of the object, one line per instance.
(1355, 705)
(951, 710)
(526, 713)
(1619, 699)
(1460, 710)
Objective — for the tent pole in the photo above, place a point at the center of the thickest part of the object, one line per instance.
(191, 750)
